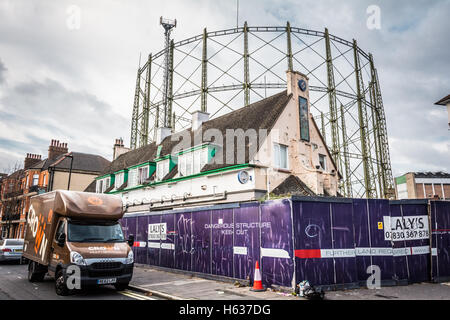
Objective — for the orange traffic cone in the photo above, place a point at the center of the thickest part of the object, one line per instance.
(257, 282)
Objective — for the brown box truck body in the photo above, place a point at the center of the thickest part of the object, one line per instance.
(67, 228)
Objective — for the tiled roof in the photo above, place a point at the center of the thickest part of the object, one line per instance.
(443, 101)
(431, 175)
(91, 187)
(81, 162)
(19, 174)
(294, 186)
(259, 115)
(131, 158)
(42, 165)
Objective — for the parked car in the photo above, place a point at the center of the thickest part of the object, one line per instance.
(11, 249)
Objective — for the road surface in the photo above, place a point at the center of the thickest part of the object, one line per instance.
(14, 285)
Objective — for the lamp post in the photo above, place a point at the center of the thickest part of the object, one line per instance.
(70, 155)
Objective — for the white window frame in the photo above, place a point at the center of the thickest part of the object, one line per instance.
(162, 169)
(99, 186)
(106, 184)
(192, 162)
(142, 178)
(324, 168)
(119, 180)
(35, 176)
(277, 160)
(133, 177)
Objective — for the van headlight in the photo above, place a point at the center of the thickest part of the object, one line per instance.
(130, 258)
(77, 258)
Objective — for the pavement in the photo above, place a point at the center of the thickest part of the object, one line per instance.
(180, 286)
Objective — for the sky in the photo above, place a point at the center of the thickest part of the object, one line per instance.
(68, 68)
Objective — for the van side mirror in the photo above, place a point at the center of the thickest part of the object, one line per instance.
(131, 240)
(61, 239)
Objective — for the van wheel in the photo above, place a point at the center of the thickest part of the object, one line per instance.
(121, 286)
(60, 285)
(33, 274)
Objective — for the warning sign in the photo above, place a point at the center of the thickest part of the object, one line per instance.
(380, 225)
(405, 228)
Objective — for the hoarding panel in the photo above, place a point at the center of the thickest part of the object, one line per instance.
(201, 237)
(141, 252)
(168, 246)
(153, 239)
(222, 241)
(277, 262)
(183, 241)
(312, 230)
(246, 240)
(344, 244)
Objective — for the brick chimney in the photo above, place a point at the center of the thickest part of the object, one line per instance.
(31, 159)
(119, 148)
(56, 149)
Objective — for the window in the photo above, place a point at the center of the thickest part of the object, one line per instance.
(60, 229)
(99, 186)
(280, 156)
(192, 162)
(119, 180)
(323, 162)
(142, 174)
(182, 165)
(162, 169)
(106, 184)
(102, 185)
(304, 121)
(133, 177)
(35, 179)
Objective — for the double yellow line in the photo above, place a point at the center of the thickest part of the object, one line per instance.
(135, 295)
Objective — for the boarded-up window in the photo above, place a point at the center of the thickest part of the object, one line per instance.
(304, 122)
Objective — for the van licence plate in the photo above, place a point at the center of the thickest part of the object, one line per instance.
(107, 281)
(18, 250)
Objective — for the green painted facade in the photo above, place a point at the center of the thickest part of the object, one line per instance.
(400, 180)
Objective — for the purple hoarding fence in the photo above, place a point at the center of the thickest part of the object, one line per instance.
(334, 243)
(371, 248)
(324, 242)
(410, 238)
(440, 228)
(277, 250)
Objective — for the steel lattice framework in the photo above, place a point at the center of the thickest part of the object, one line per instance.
(224, 70)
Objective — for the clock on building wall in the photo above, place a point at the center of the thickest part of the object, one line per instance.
(302, 84)
(243, 176)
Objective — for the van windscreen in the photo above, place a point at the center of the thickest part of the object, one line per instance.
(94, 232)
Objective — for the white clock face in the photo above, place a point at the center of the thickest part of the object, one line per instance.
(243, 177)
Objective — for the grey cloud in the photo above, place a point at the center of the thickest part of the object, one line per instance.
(46, 110)
(2, 72)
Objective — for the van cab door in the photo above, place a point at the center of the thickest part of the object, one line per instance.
(59, 251)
